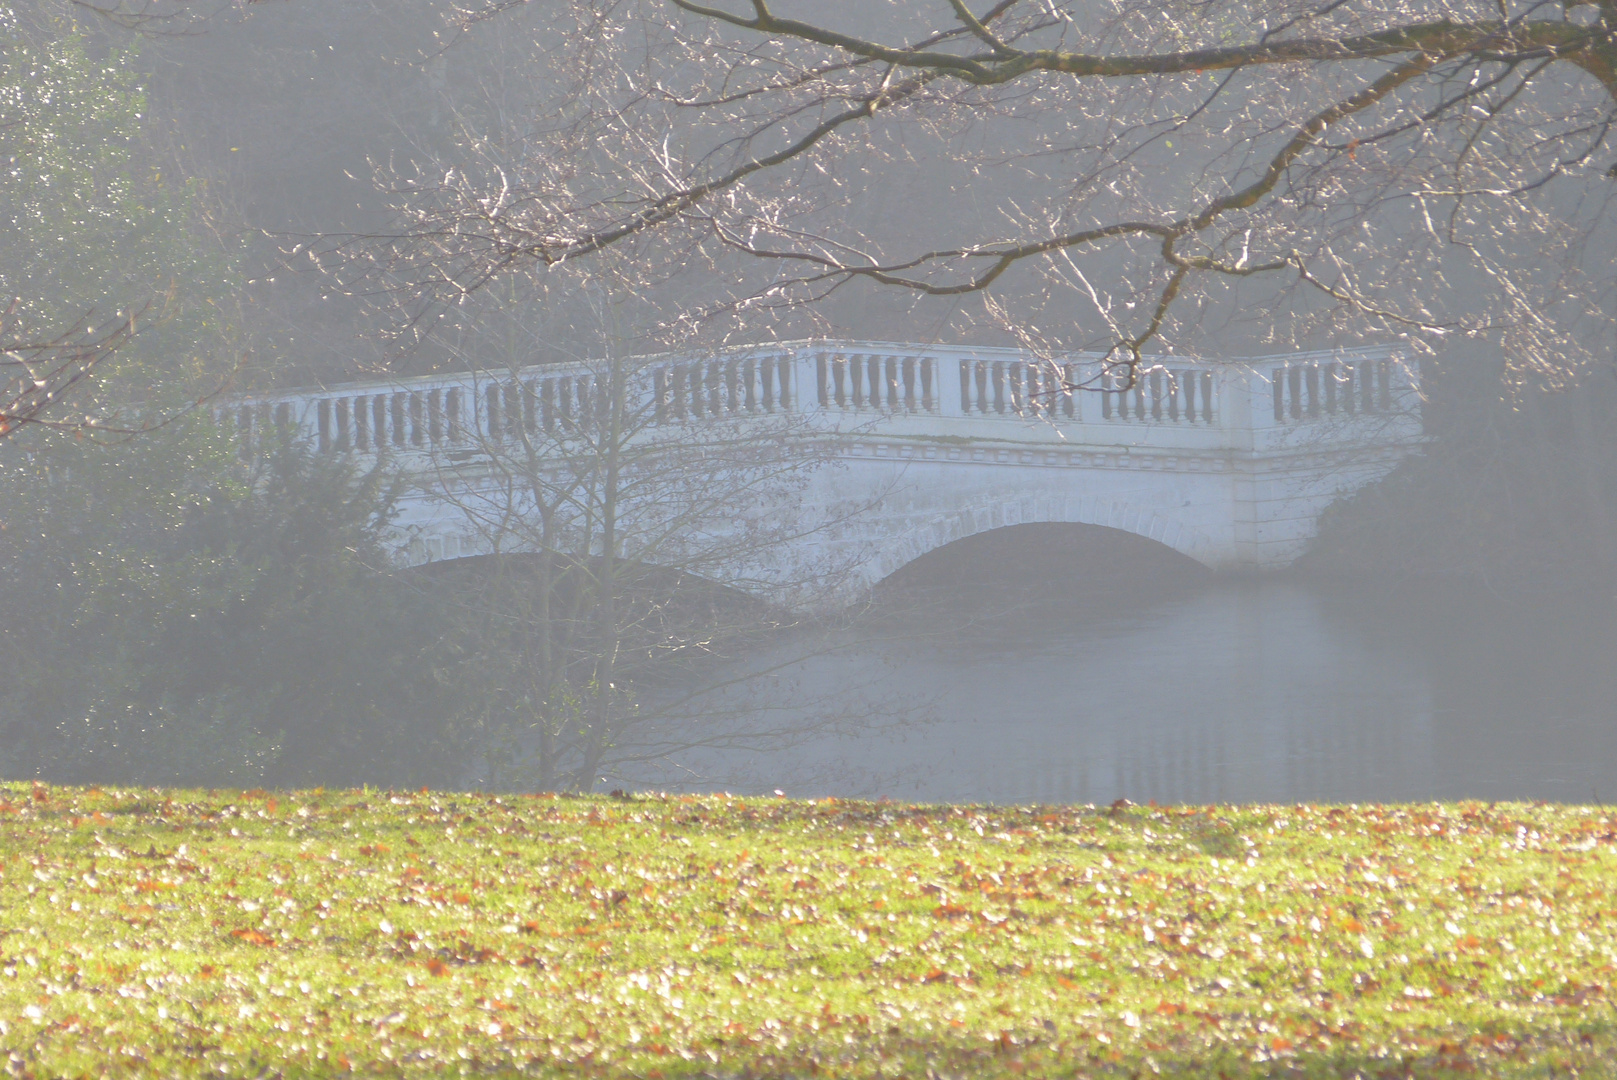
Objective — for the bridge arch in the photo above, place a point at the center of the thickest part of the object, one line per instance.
(945, 526)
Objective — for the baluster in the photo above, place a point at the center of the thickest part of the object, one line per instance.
(396, 418)
(996, 376)
(1170, 380)
(455, 407)
(966, 369)
(732, 388)
(895, 401)
(927, 365)
(766, 382)
(784, 384)
(1155, 381)
(578, 387)
(839, 379)
(547, 404)
(1015, 400)
(564, 403)
(510, 410)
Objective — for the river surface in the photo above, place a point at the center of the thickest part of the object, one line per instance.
(1011, 672)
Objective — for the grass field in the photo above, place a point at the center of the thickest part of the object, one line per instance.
(310, 933)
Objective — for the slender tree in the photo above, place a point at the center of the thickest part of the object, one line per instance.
(634, 517)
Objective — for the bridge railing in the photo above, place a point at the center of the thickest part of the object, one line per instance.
(1316, 387)
(875, 381)
(737, 385)
(859, 380)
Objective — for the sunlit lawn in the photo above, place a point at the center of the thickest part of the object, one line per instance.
(317, 933)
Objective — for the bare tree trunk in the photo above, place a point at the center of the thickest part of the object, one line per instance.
(606, 665)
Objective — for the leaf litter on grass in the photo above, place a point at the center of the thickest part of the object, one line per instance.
(430, 933)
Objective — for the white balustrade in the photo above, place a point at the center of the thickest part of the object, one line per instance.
(750, 384)
(1313, 387)
(1019, 387)
(1161, 393)
(884, 382)
(877, 382)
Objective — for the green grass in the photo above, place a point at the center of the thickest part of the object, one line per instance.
(176, 933)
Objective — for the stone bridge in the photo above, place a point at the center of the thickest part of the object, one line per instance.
(1230, 462)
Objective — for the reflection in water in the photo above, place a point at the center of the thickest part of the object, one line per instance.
(1039, 676)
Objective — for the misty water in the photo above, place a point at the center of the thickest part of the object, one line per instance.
(1064, 664)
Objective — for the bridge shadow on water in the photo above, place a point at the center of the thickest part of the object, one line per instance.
(1061, 663)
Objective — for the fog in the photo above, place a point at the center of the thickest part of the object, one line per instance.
(254, 207)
